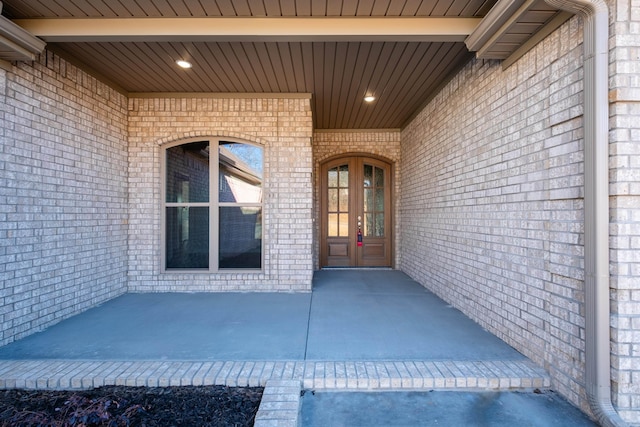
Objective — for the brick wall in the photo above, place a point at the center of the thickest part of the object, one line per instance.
(624, 190)
(284, 128)
(332, 143)
(492, 202)
(63, 197)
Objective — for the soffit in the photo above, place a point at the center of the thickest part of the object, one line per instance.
(338, 69)
(512, 24)
(245, 8)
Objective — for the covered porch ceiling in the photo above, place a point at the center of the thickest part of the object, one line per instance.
(400, 51)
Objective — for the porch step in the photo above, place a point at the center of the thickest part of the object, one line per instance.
(318, 375)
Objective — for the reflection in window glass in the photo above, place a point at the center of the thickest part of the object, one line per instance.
(188, 173)
(240, 173)
(237, 234)
(368, 175)
(240, 237)
(187, 239)
(379, 182)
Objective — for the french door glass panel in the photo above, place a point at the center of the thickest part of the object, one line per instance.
(373, 201)
(355, 208)
(338, 201)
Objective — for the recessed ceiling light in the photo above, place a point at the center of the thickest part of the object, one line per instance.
(369, 98)
(184, 64)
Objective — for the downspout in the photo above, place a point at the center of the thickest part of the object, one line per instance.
(595, 16)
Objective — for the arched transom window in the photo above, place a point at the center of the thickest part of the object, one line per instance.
(213, 206)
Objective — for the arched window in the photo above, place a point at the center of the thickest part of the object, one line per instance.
(213, 206)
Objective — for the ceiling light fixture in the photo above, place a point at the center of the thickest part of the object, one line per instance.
(184, 64)
(369, 98)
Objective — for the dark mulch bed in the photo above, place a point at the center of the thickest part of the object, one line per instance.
(116, 406)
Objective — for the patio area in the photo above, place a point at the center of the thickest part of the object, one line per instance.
(358, 329)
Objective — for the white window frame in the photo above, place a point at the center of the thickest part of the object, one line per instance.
(214, 206)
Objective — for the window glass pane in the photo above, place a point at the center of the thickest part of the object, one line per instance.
(333, 177)
(240, 173)
(368, 175)
(344, 225)
(333, 200)
(187, 237)
(379, 229)
(368, 200)
(333, 225)
(344, 176)
(187, 177)
(344, 200)
(368, 225)
(240, 237)
(380, 199)
(379, 177)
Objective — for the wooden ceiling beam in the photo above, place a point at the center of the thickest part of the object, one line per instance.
(297, 29)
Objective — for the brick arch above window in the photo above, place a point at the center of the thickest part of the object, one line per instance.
(232, 136)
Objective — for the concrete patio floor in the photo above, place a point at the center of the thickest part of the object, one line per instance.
(359, 330)
(351, 315)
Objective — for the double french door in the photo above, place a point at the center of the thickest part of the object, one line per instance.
(356, 213)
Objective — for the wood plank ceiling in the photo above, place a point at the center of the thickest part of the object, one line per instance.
(402, 74)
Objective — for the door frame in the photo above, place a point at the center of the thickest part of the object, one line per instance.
(322, 197)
